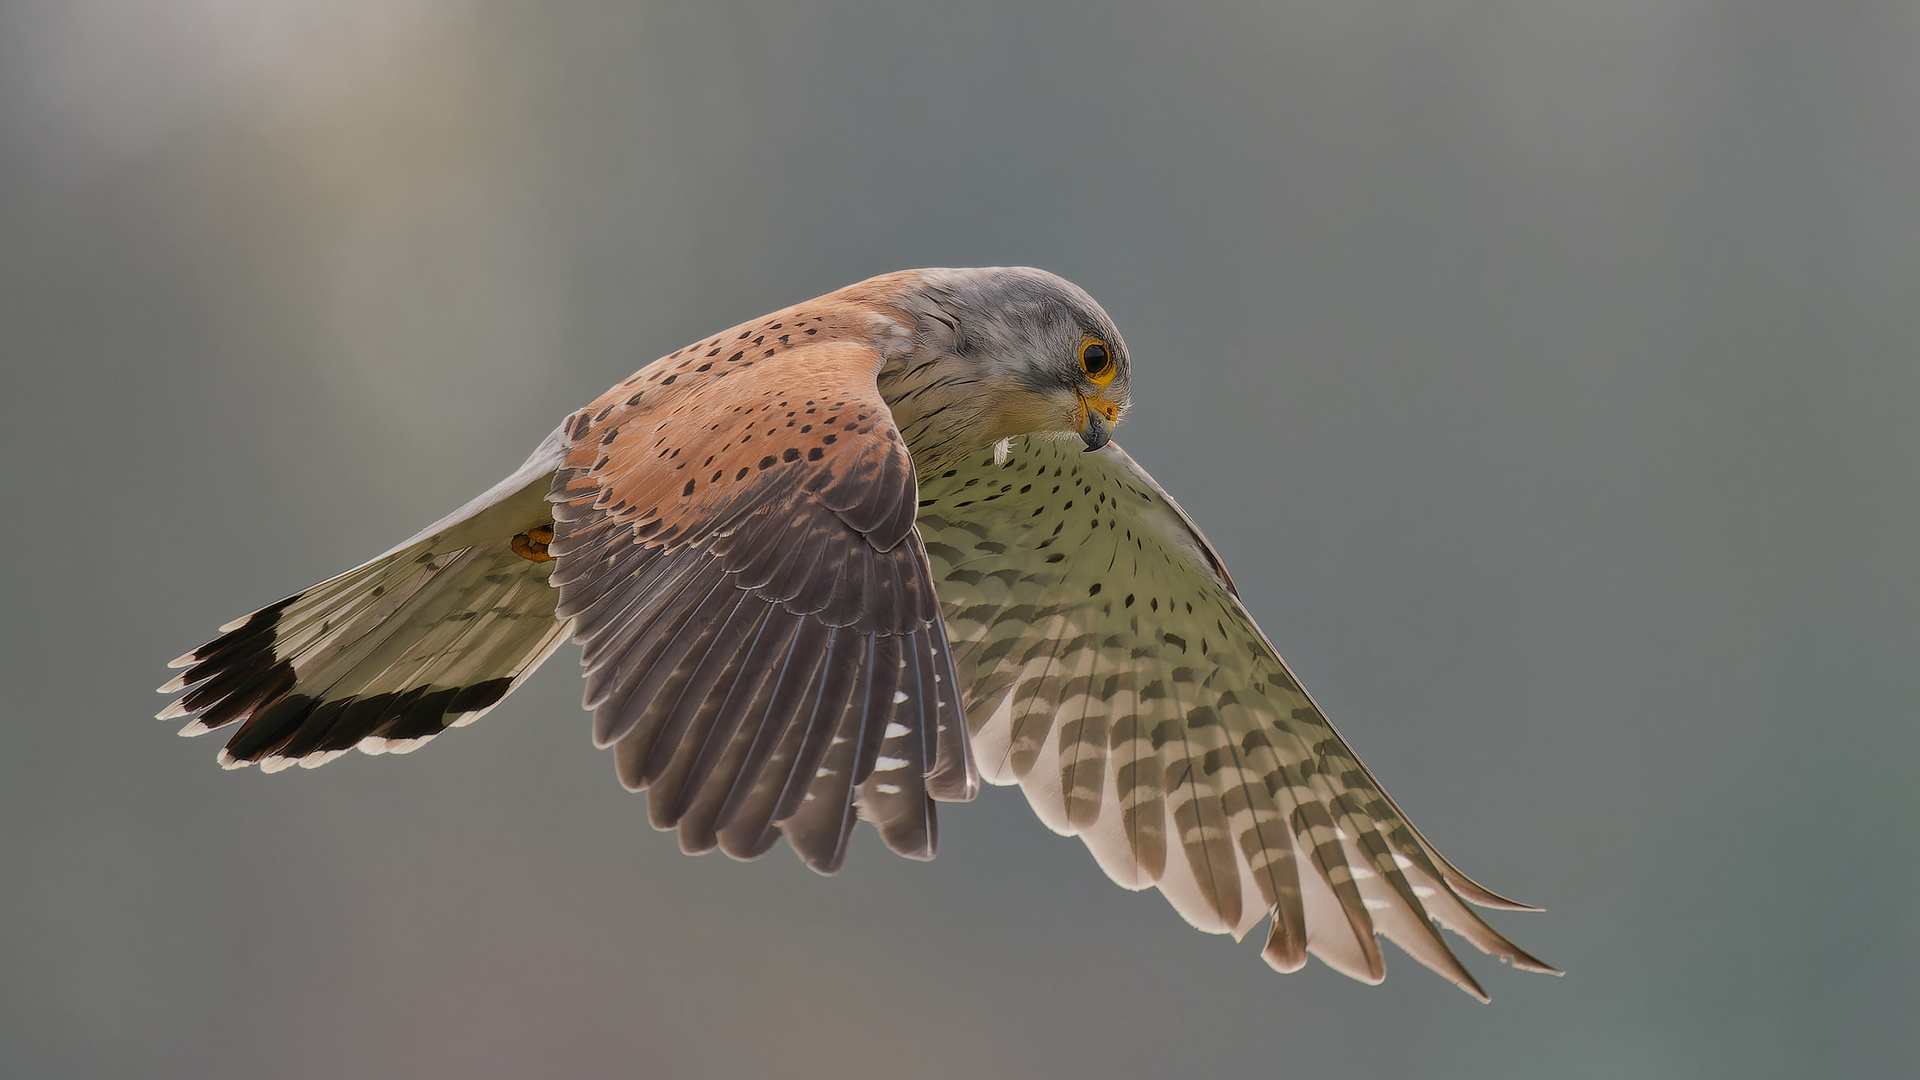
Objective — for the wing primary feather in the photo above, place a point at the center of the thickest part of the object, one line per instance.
(746, 821)
(587, 551)
(1202, 820)
(674, 790)
(683, 694)
(711, 779)
(1267, 846)
(657, 657)
(611, 656)
(762, 557)
(894, 795)
(709, 708)
(822, 818)
(1140, 786)
(612, 672)
(847, 594)
(1083, 744)
(624, 579)
(1315, 825)
(635, 588)
(800, 586)
(1402, 917)
(1465, 886)
(838, 671)
(1023, 743)
(883, 696)
(954, 777)
(751, 697)
(837, 695)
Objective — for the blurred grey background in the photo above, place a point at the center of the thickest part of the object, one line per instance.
(1546, 371)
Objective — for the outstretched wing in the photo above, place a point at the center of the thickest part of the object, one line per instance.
(762, 641)
(1113, 673)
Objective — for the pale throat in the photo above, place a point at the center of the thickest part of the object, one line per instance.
(950, 406)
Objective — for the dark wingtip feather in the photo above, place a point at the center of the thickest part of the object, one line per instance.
(913, 836)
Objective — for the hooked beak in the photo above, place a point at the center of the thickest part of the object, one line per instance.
(1097, 428)
(1096, 434)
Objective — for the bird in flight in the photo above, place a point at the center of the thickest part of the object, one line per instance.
(842, 563)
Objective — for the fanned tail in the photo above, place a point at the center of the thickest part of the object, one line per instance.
(428, 636)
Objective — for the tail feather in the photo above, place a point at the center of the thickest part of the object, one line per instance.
(431, 635)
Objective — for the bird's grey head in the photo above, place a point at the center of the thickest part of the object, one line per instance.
(1002, 351)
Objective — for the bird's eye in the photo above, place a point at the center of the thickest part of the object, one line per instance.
(1095, 362)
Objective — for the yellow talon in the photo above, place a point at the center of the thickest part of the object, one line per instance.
(532, 544)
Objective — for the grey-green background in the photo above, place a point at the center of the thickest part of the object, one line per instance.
(1546, 372)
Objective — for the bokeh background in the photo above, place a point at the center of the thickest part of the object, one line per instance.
(1546, 370)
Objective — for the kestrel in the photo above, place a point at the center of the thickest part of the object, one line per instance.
(844, 562)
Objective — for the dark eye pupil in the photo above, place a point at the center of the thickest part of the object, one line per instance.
(1094, 359)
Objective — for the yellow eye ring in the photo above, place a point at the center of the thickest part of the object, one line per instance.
(1096, 361)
